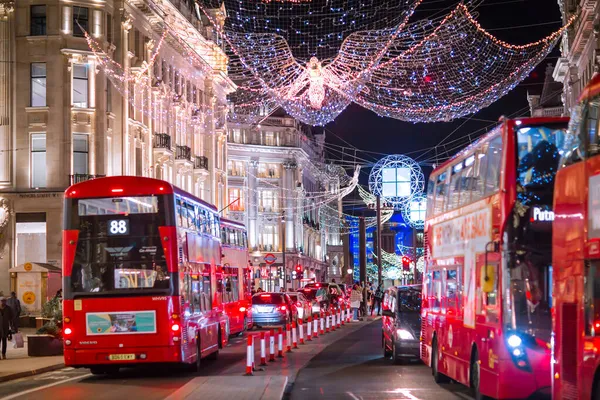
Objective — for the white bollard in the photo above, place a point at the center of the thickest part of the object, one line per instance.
(249, 353)
(263, 350)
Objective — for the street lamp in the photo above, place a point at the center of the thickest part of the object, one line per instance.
(349, 271)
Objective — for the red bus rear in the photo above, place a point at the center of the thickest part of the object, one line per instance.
(237, 299)
(140, 259)
(486, 320)
(576, 255)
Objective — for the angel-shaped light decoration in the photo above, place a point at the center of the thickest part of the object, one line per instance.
(428, 70)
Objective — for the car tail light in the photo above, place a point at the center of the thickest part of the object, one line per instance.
(67, 331)
(66, 320)
(175, 327)
(298, 304)
(283, 308)
(117, 190)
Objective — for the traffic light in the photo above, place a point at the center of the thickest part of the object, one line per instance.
(299, 272)
(406, 263)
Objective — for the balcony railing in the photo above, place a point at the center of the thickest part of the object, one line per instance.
(201, 162)
(183, 153)
(83, 177)
(162, 141)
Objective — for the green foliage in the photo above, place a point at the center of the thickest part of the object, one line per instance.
(50, 328)
(53, 309)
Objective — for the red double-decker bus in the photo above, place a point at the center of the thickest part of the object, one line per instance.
(237, 275)
(140, 259)
(576, 255)
(486, 320)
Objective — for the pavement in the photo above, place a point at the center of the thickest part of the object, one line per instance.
(220, 379)
(19, 365)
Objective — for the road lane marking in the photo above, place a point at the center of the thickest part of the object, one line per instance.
(409, 395)
(37, 389)
(464, 396)
(352, 395)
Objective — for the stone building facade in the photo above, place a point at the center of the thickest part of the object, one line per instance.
(580, 49)
(275, 169)
(66, 117)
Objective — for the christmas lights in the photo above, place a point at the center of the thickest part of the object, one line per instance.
(397, 179)
(422, 71)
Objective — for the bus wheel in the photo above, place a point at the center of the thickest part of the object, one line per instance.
(395, 359)
(437, 376)
(476, 377)
(386, 352)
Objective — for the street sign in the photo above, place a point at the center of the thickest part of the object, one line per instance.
(270, 258)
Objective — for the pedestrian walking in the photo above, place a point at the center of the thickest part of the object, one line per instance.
(355, 297)
(6, 318)
(15, 305)
(377, 297)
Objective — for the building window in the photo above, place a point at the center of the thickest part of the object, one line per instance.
(38, 21)
(31, 238)
(38, 160)
(109, 31)
(80, 85)
(38, 84)
(269, 240)
(80, 21)
(108, 95)
(236, 199)
(80, 153)
(268, 201)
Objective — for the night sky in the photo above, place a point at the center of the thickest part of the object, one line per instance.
(365, 130)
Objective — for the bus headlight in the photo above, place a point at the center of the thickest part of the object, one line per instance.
(403, 334)
(514, 341)
(517, 352)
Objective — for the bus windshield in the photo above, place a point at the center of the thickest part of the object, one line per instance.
(119, 250)
(531, 229)
(538, 158)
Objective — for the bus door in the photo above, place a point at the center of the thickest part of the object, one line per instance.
(487, 310)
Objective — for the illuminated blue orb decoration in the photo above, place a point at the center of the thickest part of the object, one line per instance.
(397, 179)
(413, 211)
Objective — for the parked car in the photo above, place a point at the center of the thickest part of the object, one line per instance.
(303, 305)
(273, 309)
(329, 295)
(311, 296)
(402, 322)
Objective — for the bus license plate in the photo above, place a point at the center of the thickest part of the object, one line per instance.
(121, 357)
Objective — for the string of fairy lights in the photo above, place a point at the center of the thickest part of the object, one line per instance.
(421, 71)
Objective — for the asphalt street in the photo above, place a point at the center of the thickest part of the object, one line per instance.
(352, 367)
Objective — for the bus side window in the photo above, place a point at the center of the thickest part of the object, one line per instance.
(206, 292)
(191, 216)
(454, 190)
(478, 184)
(441, 189)
(592, 298)
(437, 290)
(451, 289)
(494, 159)
(430, 197)
(466, 181)
(181, 217)
(195, 298)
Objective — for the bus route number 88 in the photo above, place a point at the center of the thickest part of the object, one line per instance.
(118, 227)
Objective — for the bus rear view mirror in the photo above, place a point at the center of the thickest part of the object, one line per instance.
(488, 278)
